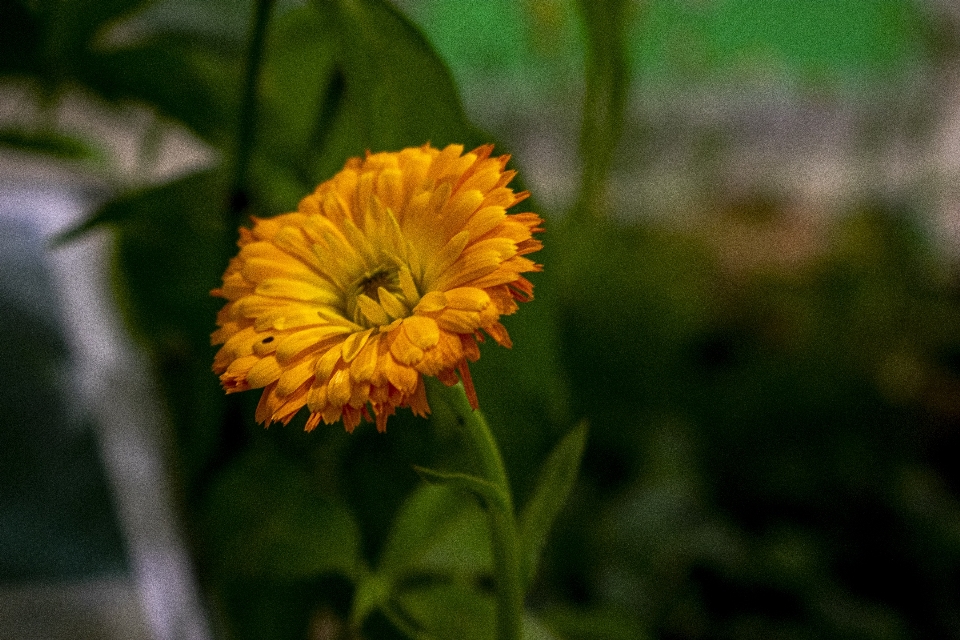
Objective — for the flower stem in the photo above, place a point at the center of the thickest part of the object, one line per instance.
(503, 521)
(248, 105)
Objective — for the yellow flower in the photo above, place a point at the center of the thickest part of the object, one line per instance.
(390, 271)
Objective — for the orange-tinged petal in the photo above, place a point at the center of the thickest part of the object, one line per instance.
(264, 372)
(338, 389)
(293, 377)
(468, 299)
(317, 397)
(400, 376)
(364, 365)
(292, 345)
(404, 350)
(327, 362)
(312, 422)
(421, 331)
(239, 344)
(431, 302)
(354, 343)
(459, 321)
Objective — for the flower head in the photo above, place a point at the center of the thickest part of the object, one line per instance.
(390, 271)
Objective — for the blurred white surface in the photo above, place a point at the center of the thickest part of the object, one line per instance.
(160, 599)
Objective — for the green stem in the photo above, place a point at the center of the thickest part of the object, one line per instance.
(503, 521)
(248, 104)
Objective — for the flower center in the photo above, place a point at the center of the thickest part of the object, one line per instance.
(381, 296)
(386, 278)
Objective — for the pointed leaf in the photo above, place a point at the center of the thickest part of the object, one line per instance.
(300, 94)
(453, 611)
(398, 92)
(372, 593)
(54, 143)
(437, 531)
(490, 493)
(448, 611)
(554, 483)
(181, 79)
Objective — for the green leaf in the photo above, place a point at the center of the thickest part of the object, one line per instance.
(300, 93)
(437, 531)
(74, 25)
(553, 486)
(398, 92)
(372, 593)
(181, 79)
(443, 611)
(265, 518)
(448, 611)
(172, 246)
(54, 143)
(222, 25)
(605, 99)
(185, 199)
(71, 27)
(491, 494)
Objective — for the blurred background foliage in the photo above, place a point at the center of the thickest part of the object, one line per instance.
(750, 294)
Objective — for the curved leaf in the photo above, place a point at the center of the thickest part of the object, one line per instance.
(183, 81)
(554, 483)
(397, 91)
(437, 531)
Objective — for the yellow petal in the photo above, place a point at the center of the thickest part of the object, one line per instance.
(484, 220)
(297, 290)
(317, 397)
(365, 364)
(445, 258)
(467, 299)
(408, 287)
(338, 390)
(391, 305)
(241, 343)
(294, 377)
(264, 372)
(265, 345)
(459, 321)
(422, 331)
(373, 311)
(294, 344)
(401, 376)
(354, 343)
(432, 302)
(404, 350)
(461, 207)
(327, 362)
(260, 269)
